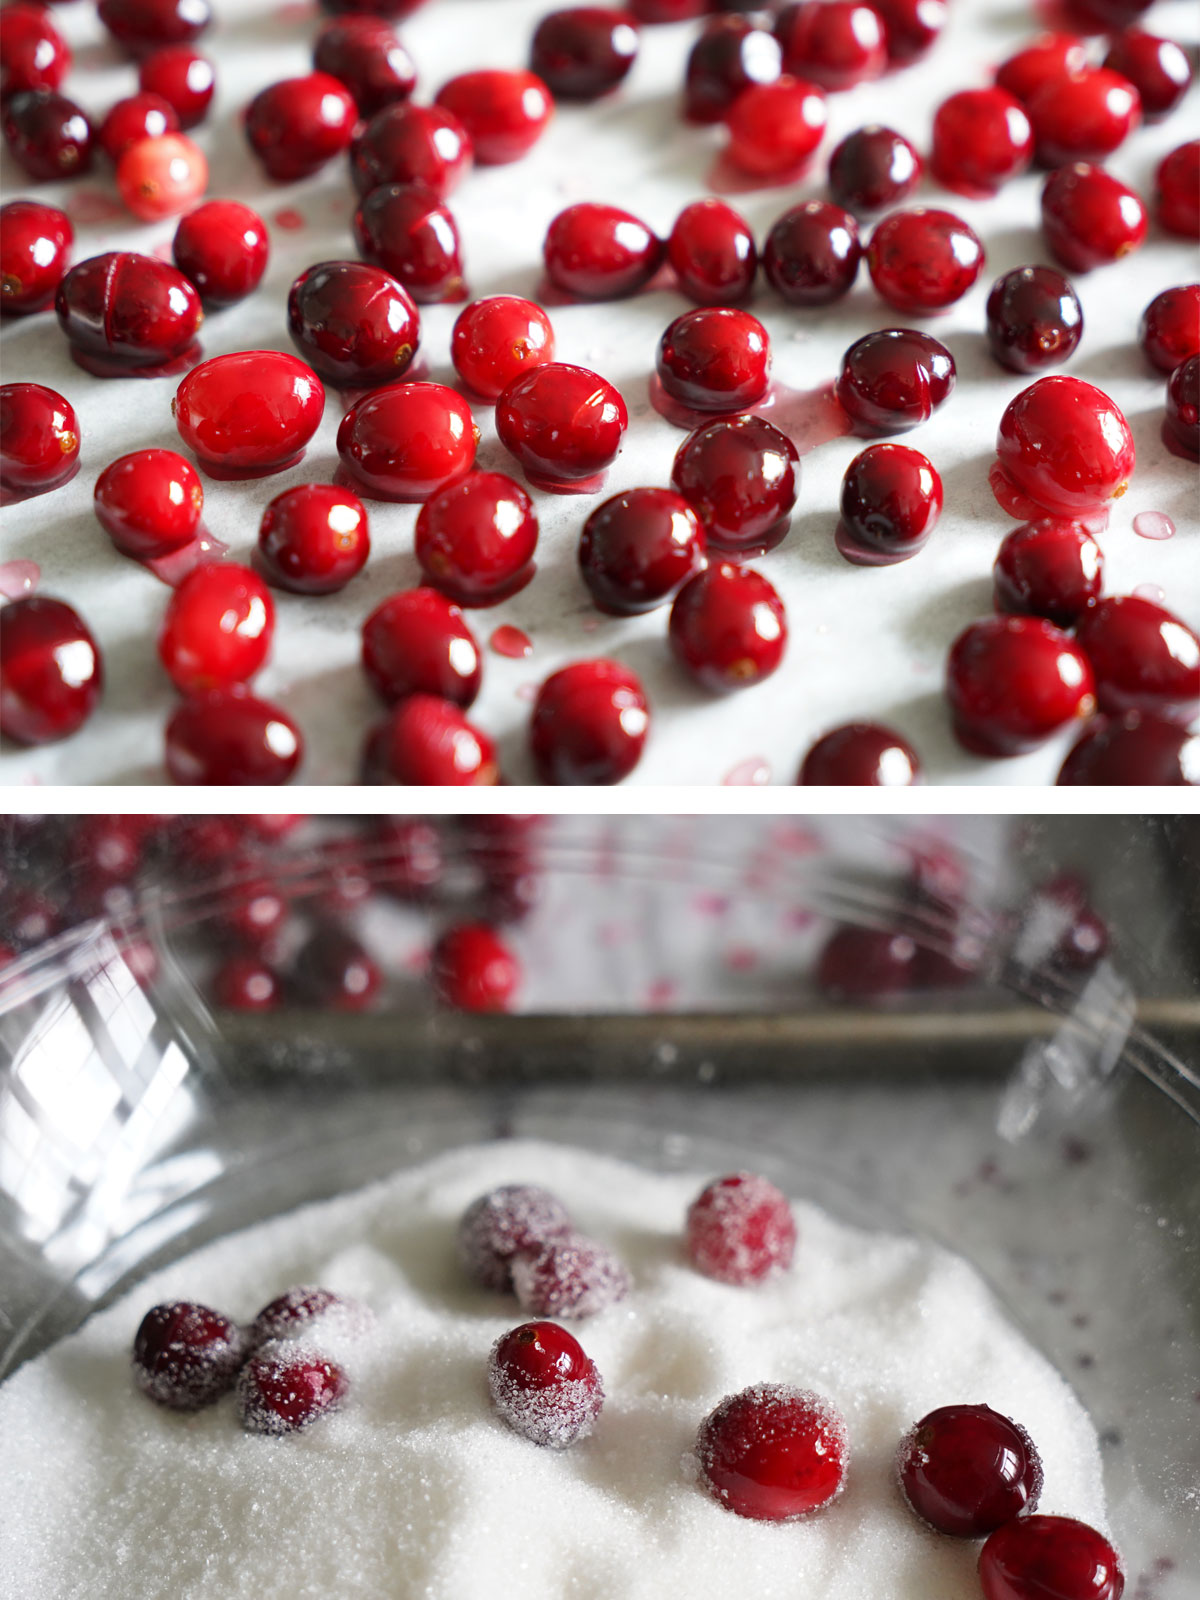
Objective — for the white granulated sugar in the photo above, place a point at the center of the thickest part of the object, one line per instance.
(416, 1490)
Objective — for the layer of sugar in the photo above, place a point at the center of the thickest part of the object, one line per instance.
(415, 1490)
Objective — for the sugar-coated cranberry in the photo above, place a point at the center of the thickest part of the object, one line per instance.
(1083, 116)
(1143, 656)
(1170, 327)
(1034, 319)
(775, 127)
(408, 441)
(222, 247)
(589, 724)
(301, 1311)
(836, 43)
(48, 135)
(1066, 446)
(282, 1389)
(161, 177)
(246, 983)
(872, 168)
(715, 358)
(1089, 217)
(1033, 1557)
(217, 627)
(314, 538)
(473, 969)
(505, 113)
(1049, 58)
(638, 549)
(183, 78)
(427, 740)
(33, 54)
(412, 144)
(773, 1452)
(353, 323)
(812, 252)
(564, 424)
(893, 380)
(727, 628)
(981, 139)
(712, 253)
(149, 503)
(229, 736)
(1052, 568)
(891, 501)
(125, 312)
(417, 642)
(544, 1385)
(35, 249)
(923, 259)
(39, 438)
(1133, 749)
(571, 1276)
(143, 25)
(364, 54)
(186, 1356)
(583, 52)
(141, 116)
(1181, 426)
(740, 1230)
(1177, 190)
(1158, 69)
(729, 55)
(249, 414)
(1013, 682)
(333, 971)
(600, 252)
(496, 340)
(514, 1220)
(966, 1470)
(865, 965)
(406, 230)
(911, 27)
(740, 475)
(475, 539)
(861, 753)
(296, 126)
(51, 671)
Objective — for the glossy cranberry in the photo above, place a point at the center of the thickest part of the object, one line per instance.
(475, 540)
(161, 177)
(496, 340)
(600, 252)
(408, 441)
(585, 51)
(740, 1230)
(1034, 319)
(773, 1452)
(39, 438)
(229, 736)
(812, 252)
(965, 1470)
(1177, 190)
(728, 629)
(872, 168)
(638, 549)
(1065, 446)
(149, 503)
(1013, 682)
(835, 43)
(143, 25)
(1052, 569)
(405, 229)
(1144, 658)
(911, 28)
(1133, 749)
(35, 249)
(333, 971)
(473, 969)
(313, 539)
(1170, 327)
(564, 424)
(1089, 217)
(862, 754)
(1049, 58)
(51, 671)
(186, 1356)
(1158, 69)
(216, 630)
(33, 54)
(589, 724)
(425, 740)
(514, 1220)
(141, 116)
(715, 359)
(1052, 1557)
(184, 79)
(281, 1390)
(123, 312)
(893, 380)
(1181, 426)
(296, 126)
(222, 247)
(505, 113)
(544, 1384)
(48, 134)
(923, 260)
(249, 414)
(729, 56)
(667, 10)
(354, 324)
(1083, 116)
(740, 476)
(775, 127)
(891, 501)
(418, 642)
(364, 55)
(712, 253)
(981, 139)
(412, 144)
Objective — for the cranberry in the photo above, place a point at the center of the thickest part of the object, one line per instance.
(142, 25)
(513, 1220)
(473, 969)
(740, 1230)
(1170, 327)
(375, 8)
(1107, 16)
(812, 252)
(301, 1311)
(835, 43)
(712, 253)
(505, 113)
(727, 628)
(39, 439)
(1158, 69)
(335, 972)
(1013, 682)
(184, 79)
(296, 126)
(1050, 58)
(1034, 319)
(475, 540)
(228, 736)
(123, 312)
(246, 983)
(162, 177)
(35, 248)
(222, 248)
(891, 501)
(33, 54)
(861, 753)
(48, 134)
(51, 671)
(426, 740)
(1064, 445)
(872, 168)
(364, 55)
(141, 116)
(773, 1452)
(729, 56)
(407, 442)
(564, 424)
(496, 340)
(865, 965)
(1089, 217)
(589, 724)
(1052, 569)
(572, 1276)
(250, 911)
(923, 260)
(412, 144)
(893, 380)
(1034, 1557)
(966, 1470)
(600, 252)
(1082, 116)
(1177, 190)
(740, 475)
(775, 127)
(1133, 749)
(417, 642)
(1144, 658)
(911, 28)
(314, 538)
(249, 414)
(715, 359)
(981, 139)
(667, 10)
(1181, 426)
(544, 1385)
(149, 503)
(217, 628)
(404, 229)
(638, 549)
(354, 324)
(186, 1356)
(283, 1389)
(584, 51)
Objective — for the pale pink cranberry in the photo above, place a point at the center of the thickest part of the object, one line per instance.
(186, 1356)
(283, 1389)
(544, 1385)
(569, 1276)
(513, 1220)
(774, 1453)
(162, 177)
(473, 969)
(740, 1230)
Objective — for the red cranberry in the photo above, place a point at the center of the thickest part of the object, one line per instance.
(727, 628)
(1181, 427)
(715, 359)
(123, 312)
(473, 969)
(412, 144)
(1170, 327)
(222, 248)
(149, 503)
(923, 260)
(314, 538)
(405, 230)
(775, 127)
(1177, 190)
(505, 113)
(374, 8)
(638, 549)
(911, 28)
(564, 424)
(1036, 1556)
(836, 43)
(544, 1385)
(234, 438)
(865, 965)
(51, 671)
(1107, 16)
(35, 248)
(228, 736)
(1064, 445)
(740, 1230)
(712, 253)
(872, 168)
(33, 54)
(667, 10)
(426, 740)
(513, 1220)
(1133, 749)
(141, 116)
(1034, 319)
(861, 753)
(186, 1356)
(333, 971)
(812, 252)
(282, 1389)
(1089, 217)
(600, 252)
(184, 79)
(1083, 116)
(417, 642)
(39, 439)
(966, 1470)
(981, 139)
(246, 983)
(299, 1312)
(143, 25)
(1013, 682)
(365, 56)
(589, 724)
(1052, 569)
(891, 501)
(729, 56)
(740, 475)
(48, 134)
(475, 540)
(407, 442)
(161, 177)
(893, 380)
(1050, 58)
(773, 1452)
(354, 324)
(496, 340)
(217, 628)
(571, 1276)
(296, 126)
(250, 912)
(1158, 69)
(584, 51)
(1144, 658)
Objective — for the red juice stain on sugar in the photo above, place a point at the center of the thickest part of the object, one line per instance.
(19, 579)
(809, 417)
(93, 205)
(1152, 592)
(174, 567)
(1153, 525)
(754, 770)
(289, 218)
(510, 642)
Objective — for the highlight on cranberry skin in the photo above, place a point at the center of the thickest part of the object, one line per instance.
(740, 1230)
(774, 1453)
(966, 1470)
(473, 969)
(51, 670)
(1038, 1556)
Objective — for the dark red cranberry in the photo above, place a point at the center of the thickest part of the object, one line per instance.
(600, 252)
(374, 8)
(911, 27)
(426, 740)
(861, 753)
(1181, 426)
(728, 629)
(505, 113)
(39, 439)
(1170, 327)
(1052, 569)
(1034, 319)
(564, 424)
(667, 10)
(836, 43)
(354, 324)
(740, 475)
(1034, 1557)
(865, 965)
(729, 56)
(405, 229)
(589, 724)
(301, 1311)
(1050, 57)
(1108, 16)
(572, 1276)
(473, 969)
(774, 128)
(217, 628)
(638, 549)
(544, 1385)
(186, 1356)
(1083, 116)
(981, 139)
(149, 503)
(1089, 217)
(229, 736)
(232, 439)
(314, 538)
(48, 134)
(408, 441)
(333, 971)
(872, 168)
(29, 917)
(773, 1452)
(712, 253)
(246, 983)
(51, 671)
(1013, 682)
(365, 56)
(33, 54)
(123, 312)
(966, 1470)
(475, 540)
(1064, 445)
(715, 359)
(893, 380)
(514, 1220)
(412, 144)
(1143, 656)
(35, 249)
(496, 340)
(417, 642)
(282, 1389)
(1158, 69)
(891, 501)
(141, 116)
(1177, 190)
(923, 260)
(1133, 749)
(222, 247)
(740, 1230)
(584, 51)
(296, 126)
(184, 79)
(812, 252)
(143, 25)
